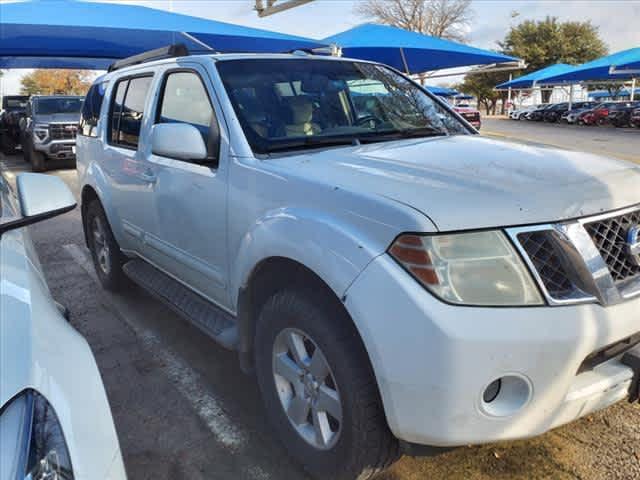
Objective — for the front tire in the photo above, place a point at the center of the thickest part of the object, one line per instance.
(105, 252)
(319, 389)
(37, 159)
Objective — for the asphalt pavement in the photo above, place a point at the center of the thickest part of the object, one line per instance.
(184, 410)
(622, 143)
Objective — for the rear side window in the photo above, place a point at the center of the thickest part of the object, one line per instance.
(91, 110)
(127, 111)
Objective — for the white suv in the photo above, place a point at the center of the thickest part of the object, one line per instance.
(393, 278)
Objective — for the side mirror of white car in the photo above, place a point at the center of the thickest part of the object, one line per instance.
(181, 141)
(40, 197)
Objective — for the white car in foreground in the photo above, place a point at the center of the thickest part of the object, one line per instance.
(55, 421)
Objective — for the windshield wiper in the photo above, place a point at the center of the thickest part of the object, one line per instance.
(404, 133)
(310, 142)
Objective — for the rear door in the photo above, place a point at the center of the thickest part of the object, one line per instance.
(189, 241)
(131, 179)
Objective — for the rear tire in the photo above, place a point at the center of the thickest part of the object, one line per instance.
(359, 445)
(107, 257)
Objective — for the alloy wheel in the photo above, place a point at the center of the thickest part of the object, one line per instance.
(100, 245)
(307, 388)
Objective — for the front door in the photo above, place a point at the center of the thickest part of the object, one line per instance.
(190, 198)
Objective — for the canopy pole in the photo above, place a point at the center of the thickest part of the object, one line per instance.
(509, 94)
(633, 89)
(404, 62)
(571, 96)
(198, 41)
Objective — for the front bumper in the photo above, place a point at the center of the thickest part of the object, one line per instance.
(60, 149)
(434, 361)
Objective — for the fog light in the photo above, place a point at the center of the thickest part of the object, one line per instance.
(492, 391)
(506, 395)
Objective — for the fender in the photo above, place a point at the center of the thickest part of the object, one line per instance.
(334, 247)
(94, 177)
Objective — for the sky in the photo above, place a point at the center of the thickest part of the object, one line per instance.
(617, 20)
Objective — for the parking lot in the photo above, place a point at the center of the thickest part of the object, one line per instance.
(183, 409)
(622, 143)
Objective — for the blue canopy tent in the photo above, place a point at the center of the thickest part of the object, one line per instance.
(597, 70)
(81, 34)
(600, 94)
(628, 63)
(410, 52)
(442, 91)
(531, 79)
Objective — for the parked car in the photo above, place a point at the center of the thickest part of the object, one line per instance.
(394, 279)
(634, 119)
(571, 116)
(553, 113)
(13, 109)
(470, 114)
(49, 130)
(55, 421)
(537, 115)
(596, 116)
(620, 115)
(520, 113)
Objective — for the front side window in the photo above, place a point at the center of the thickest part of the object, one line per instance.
(91, 109)
(304, 103)
(185, 100)
(127, 111)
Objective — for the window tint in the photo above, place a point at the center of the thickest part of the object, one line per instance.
(185, 100)
(127, 115)
(91, 110)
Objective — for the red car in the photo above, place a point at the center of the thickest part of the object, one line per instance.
(597, 116)
(470, 114)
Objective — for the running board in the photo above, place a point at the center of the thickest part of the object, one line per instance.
(209, 318)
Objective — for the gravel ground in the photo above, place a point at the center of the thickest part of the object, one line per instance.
(183, 409)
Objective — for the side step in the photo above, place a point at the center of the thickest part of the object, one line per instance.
(213, 321)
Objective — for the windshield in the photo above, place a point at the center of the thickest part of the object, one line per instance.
(291, 104)
(50, 106)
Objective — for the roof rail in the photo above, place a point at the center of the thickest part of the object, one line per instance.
(171, 51)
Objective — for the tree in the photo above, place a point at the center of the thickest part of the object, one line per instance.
(448, 19)
(482, 86)
(546, 42)
(56, 82)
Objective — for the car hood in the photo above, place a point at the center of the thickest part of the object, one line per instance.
(470, 181)
(58, 118)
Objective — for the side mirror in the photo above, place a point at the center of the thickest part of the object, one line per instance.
(181, 141)
(40, 197)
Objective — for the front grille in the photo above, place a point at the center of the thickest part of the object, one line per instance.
(545, 256)
(610, 236)
(474, 117)
(63, 131)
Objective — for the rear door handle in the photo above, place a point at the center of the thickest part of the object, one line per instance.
(148, 176)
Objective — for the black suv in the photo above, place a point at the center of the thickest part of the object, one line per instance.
(538, 114)
(620, 116)
(13, 109)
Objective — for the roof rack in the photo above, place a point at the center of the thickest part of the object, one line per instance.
(171, 51)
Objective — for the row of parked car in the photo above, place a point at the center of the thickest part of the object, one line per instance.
(618, 114)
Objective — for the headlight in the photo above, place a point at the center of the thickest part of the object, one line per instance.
(478, 268)
(41, 131)
(39, 452)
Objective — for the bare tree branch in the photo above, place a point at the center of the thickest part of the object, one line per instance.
(448, 19)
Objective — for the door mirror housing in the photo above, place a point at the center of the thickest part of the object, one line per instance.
(40, 197)
(181, 141)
